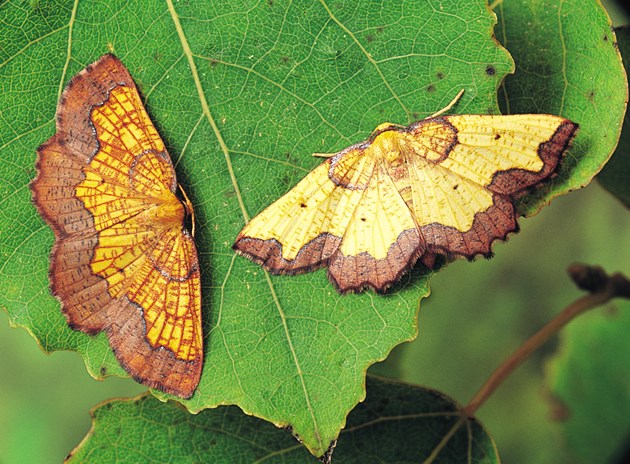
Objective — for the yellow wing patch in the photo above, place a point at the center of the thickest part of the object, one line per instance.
(440, 186)
(122, 261)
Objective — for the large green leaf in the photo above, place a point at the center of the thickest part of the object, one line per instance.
(589, 378)
(391, 426)
(567, 63)
(242, 95)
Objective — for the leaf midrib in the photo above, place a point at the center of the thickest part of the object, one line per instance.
(206, 109)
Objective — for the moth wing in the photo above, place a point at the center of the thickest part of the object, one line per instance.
(462, 196)
(508, 154)
(102, 180)
(300, 231)
(381, 240)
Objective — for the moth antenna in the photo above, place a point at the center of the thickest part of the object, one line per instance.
(189, 209)
(449, 106)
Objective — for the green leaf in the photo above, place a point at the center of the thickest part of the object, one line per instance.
(615, 177)
(242, 95)
(390, 426)
(278, 81)
(567, 63)
(589, 378)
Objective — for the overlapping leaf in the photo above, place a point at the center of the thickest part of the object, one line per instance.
(391, 426)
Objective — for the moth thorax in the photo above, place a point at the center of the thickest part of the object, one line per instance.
(169, 212)
(387, 145)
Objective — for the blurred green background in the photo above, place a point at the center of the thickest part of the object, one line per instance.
(44, 400)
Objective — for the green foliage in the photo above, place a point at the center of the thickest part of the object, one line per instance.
(281, 82)
(589, 375)
(273, 84)
(390, 426)
(567, 63)
(589, 378)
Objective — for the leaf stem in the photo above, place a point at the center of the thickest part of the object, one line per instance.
(603, 288)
